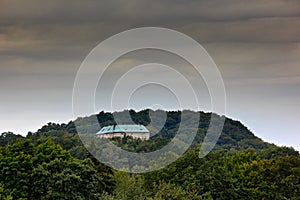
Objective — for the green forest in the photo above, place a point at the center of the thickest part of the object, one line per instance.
(52, 163)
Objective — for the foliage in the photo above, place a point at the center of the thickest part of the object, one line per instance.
(46, 171)
(234, 175)
(8, 138)
(52, 163)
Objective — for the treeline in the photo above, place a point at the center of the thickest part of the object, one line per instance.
(52, 163)
(271, 173)
(234, 134)
(47, 171)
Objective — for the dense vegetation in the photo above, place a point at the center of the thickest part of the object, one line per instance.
(53, 164)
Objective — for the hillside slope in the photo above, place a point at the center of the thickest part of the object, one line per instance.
(234, 135)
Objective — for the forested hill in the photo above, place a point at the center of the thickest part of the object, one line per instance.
(52, 163)
(234, 134)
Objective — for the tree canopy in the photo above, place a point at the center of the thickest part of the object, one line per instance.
(52, 163)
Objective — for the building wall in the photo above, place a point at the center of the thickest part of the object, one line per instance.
(110, 135)
(143, 136)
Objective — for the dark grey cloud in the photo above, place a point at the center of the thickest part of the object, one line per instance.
(141, 10)
(69, 21)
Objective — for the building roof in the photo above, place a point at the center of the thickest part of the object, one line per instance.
(123, 128)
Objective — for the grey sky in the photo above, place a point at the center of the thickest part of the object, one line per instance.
(256, 45)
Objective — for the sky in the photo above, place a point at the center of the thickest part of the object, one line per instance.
(255, 44)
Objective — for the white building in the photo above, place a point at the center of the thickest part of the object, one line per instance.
(136, 131)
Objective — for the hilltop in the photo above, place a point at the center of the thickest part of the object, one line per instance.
(234, 134)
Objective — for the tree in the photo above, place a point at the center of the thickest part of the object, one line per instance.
(47, 172)
(8, 138)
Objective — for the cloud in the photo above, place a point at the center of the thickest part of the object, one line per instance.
(71, 21)
(141, 10)
(245, 38)
(258, 30)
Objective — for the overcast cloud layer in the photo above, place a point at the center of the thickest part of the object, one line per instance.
(256, 45)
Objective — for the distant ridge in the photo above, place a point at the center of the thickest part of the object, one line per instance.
(234, 134)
